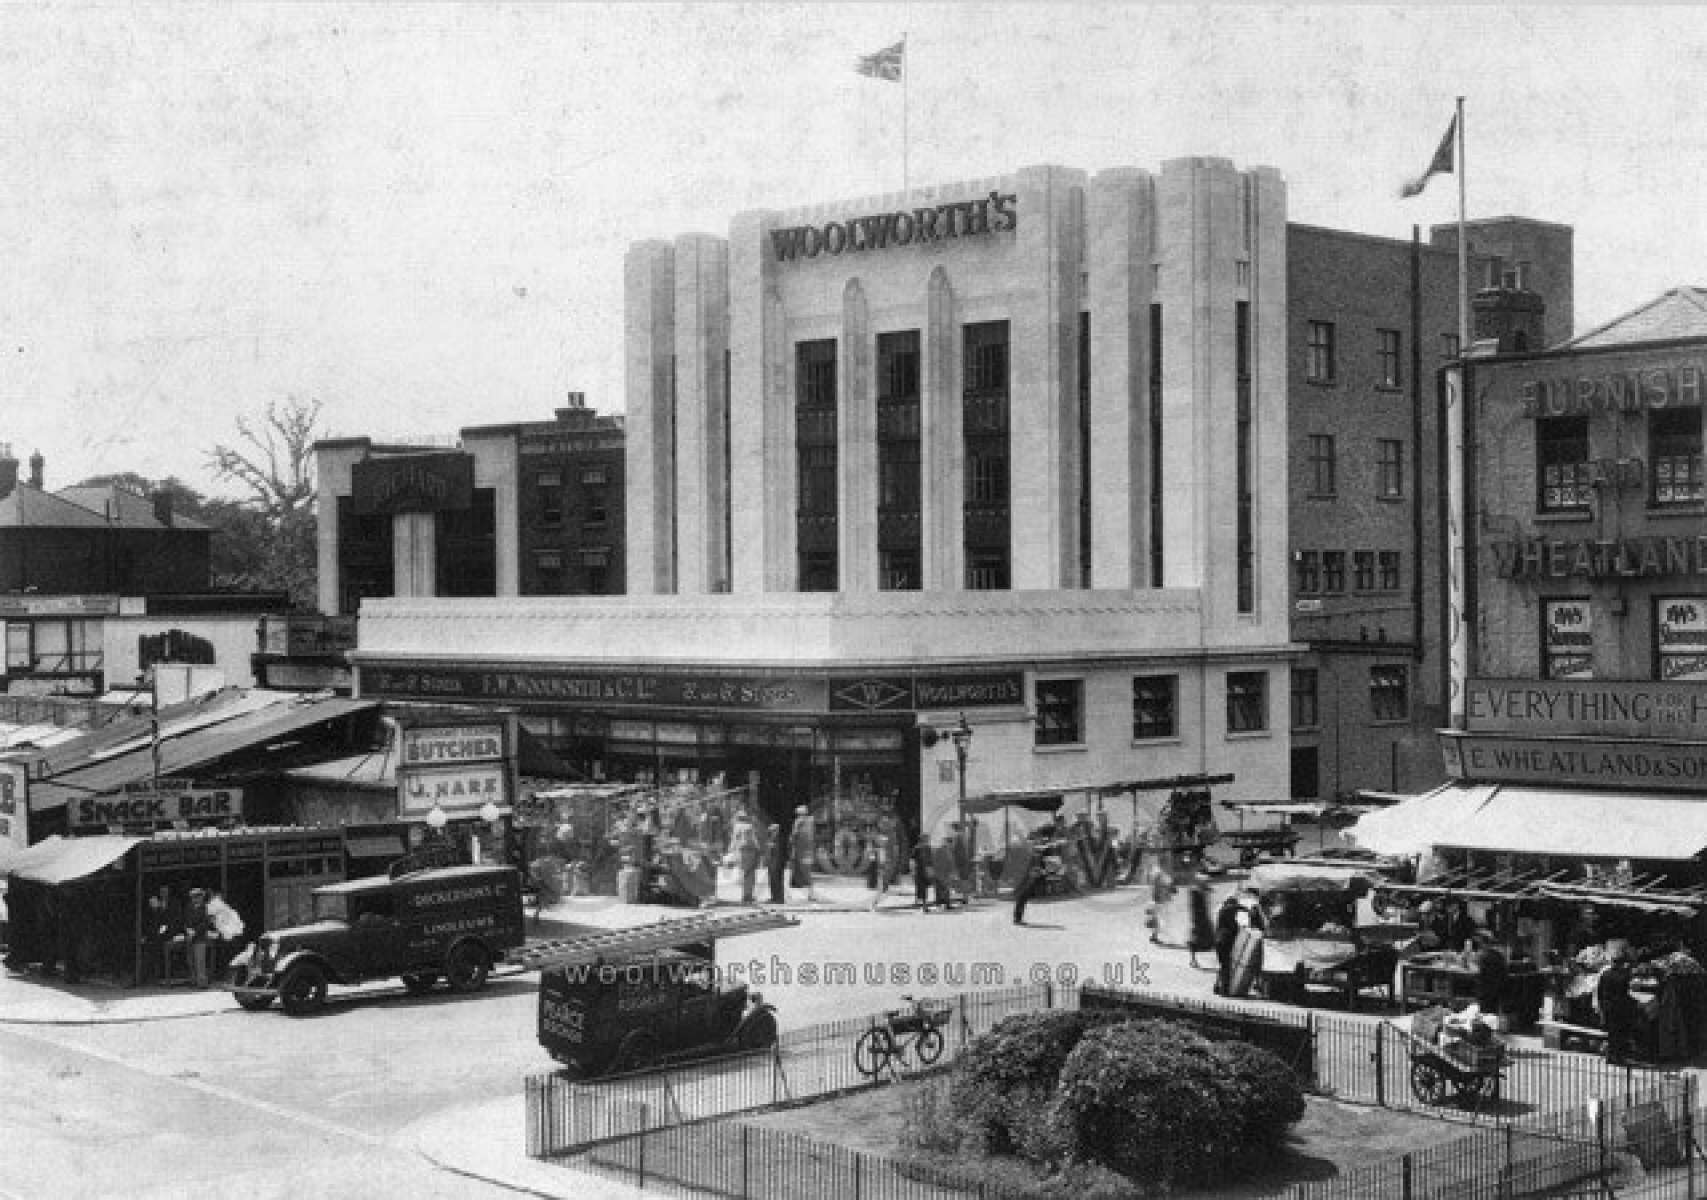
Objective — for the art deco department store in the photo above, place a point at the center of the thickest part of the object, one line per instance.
(1013, 448)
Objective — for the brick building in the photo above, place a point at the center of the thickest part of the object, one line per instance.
(526, 509)
(1370, 322)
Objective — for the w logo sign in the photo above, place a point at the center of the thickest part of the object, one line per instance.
(873, 694)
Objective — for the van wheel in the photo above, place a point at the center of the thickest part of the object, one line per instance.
(638, 1051)
(466, 968)
(759, 1032)
(303, 989)
(419, 982)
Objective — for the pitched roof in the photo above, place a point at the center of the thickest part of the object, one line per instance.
(1678, 313)
(130, 510)
(28, 507)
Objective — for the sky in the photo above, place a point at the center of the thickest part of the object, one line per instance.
(416, 214)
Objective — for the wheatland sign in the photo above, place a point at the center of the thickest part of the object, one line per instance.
(1637, 735)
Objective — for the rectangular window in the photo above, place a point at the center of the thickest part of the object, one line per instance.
(1321, 361)
(1247, 701)
(816, 464)
(1562, 467)
(1363, 570)
(1060, 712)
(1155, 706)
(1449, 345)
(20, 647)
(594, 477)
(1674, 454)
(548, 487)
(1333, 571)
(1387, 347)
(1389, 692)
(548, 561)
(987, 362)
(1243, 471)
(1322, 464)
(1306, 704)
(1387, 567)
(1680, 637)
(1389, 468)
(1309, 572)
(1567, 639)
(987, 571)
(987, 478)
(899, 570)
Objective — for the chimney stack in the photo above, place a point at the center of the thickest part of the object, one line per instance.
(36, 465)
(8, 471)
(163, 507)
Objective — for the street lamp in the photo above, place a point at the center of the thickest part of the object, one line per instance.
(961, 736)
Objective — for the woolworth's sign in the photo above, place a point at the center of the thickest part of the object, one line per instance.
(994, 213)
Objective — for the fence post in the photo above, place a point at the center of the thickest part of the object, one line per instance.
(1689, 1130)
(1405, 1178)
(745, 1130)
(1381, 1063)
(640, 1159)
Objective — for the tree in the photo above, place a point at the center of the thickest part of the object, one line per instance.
(277, 466)
(274, 462)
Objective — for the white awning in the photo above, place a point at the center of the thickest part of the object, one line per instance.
(1530, 820)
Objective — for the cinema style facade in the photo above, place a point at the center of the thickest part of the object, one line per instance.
(1012, 448)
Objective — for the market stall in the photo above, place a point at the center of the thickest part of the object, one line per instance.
(1315, 935)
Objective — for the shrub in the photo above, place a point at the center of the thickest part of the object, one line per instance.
(1161, 1104)
(1004, 1079)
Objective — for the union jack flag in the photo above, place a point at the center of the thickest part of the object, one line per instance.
(888, 63)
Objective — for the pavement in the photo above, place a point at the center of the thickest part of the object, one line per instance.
(484, 1141)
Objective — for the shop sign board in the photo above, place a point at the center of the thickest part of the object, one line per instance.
(421, 483)
(442, 745)
(1596, 708)
(14, 804)
(165, 805)
(460, 791)
(609, 689)
(1681, 622)
(1645, 766)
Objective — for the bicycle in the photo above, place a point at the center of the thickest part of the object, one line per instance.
(918, 1027)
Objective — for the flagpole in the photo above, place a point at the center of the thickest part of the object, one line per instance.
(906, 73)
(1463, 247)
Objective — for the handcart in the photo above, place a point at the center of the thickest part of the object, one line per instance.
(1457, 1072)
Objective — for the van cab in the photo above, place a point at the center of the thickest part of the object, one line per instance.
(448, 922)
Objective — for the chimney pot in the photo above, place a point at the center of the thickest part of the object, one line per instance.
(163, 507)
(37, 463)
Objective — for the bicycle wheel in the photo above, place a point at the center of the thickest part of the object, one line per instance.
(873, 1050)
(929, 1044)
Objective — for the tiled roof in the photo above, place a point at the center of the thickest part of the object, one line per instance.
(1678, 313)
(84, 508)
(26, 506)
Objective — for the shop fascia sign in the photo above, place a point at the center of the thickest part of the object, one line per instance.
(1646, 765)
(438, 746)
(458, 769)
(1668, 385)
(171, 802)
(922, 226)
(1599, 558)
(1601, 708)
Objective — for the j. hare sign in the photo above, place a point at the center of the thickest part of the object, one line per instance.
(459, 791)
(453, 744)
(157, 807)
(1596, 708)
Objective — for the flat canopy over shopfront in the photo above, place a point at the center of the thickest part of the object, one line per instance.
(59, 860)
(1534, 820)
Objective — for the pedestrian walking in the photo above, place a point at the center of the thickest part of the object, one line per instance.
(198, 933)
(804, 847)
(776, 863)
(922, 873)
(1617, 1006)
(1027, 888)
(1202, 935)
(877, 868)
(745, 846)
(1226, 933)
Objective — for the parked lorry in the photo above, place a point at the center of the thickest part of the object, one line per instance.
(420, 926)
